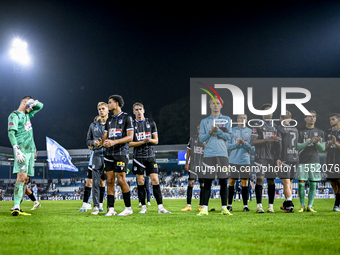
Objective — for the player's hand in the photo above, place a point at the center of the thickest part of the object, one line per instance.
(187, 167)
(35, 155)
(274, 139)
(240, 141)
(279, 163)
(97, 143)
(314, 139)
(20, 157)
(213, 129)
(333, 139)
(90, 148)
(109, 143)
(147, 140)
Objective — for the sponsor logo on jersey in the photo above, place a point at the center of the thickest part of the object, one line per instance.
(305, 135)
(143, 135)
(28, 126)
(120, 121)
(114, 132)
(268, 134)
(121, 163)
(198, 150)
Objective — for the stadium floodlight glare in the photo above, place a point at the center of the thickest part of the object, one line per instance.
(19, 52)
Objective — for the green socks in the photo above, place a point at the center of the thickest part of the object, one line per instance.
(311, 193)
(301, 191)
(18, 193)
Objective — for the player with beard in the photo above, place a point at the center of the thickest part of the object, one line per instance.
(263, 138)
(311, 141)
(332, 137)
(20, 134)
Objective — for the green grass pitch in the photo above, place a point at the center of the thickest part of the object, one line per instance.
(58, 228)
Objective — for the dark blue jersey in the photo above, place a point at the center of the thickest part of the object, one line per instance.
(144, 129)
(116, 128)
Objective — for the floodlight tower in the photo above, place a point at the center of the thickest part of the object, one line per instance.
(19, 54)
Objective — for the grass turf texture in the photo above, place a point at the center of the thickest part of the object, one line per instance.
(58, 228)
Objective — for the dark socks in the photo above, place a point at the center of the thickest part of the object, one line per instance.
(110, 201)
(245, 195)
(87, 194)
(157, 193)
(141, 194)
(271, 193)
(101, 194)
(231, 194)
(189, 195)
(258, 193)
(127, 201)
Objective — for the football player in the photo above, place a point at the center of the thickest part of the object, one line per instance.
(311, 141)
(144, 160)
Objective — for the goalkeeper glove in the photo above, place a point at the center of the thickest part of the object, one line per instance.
(31, 103)
(20, 157)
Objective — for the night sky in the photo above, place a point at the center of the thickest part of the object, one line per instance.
(84, 51)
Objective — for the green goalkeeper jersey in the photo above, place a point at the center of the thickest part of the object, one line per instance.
(20, 131)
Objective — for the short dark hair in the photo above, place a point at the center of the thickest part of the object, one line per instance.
(312, 111)
(288, 115)
(118, 99)
(264, 106)
(26, 97)
(337, 115)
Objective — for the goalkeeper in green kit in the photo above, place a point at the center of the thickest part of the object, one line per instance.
(20, 134)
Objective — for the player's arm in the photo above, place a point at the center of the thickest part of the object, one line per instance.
(12, 129)
(154, 140)
(36, 106)
(126, 139)
(89, 137)
(332, 141)
(225, 132)
(204, 133)
(320, 145)
(187, 167)
(256, 141)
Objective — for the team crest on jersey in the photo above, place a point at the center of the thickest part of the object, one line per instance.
(305, 135)
(315, 133)
(120, 121)
(93, 166)
(22, 167)
(254, 130)
(147, 126)
(135, 168)
(246, 133)
(339, 136)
